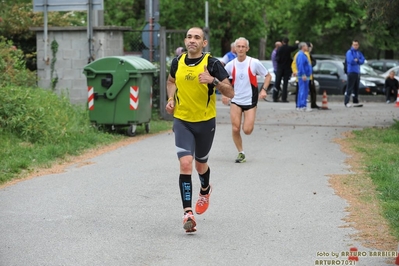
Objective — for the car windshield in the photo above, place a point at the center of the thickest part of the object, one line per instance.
(367, 70)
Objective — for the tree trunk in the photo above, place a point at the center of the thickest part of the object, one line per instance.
(389, 54)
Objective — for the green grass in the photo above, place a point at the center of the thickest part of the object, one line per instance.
(38, 128)
(380, 150)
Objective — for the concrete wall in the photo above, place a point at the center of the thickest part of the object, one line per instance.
(73, 56)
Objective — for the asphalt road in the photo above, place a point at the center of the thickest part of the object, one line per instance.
(123, 207)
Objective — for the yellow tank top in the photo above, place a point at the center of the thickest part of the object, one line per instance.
(194, 102)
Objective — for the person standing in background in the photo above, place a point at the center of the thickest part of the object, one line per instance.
(273, 56)
(354, 58)
(304, 72)
(230, 55)
(312, 87)
(284, 71)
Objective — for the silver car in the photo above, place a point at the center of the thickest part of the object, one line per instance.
(394, 69)
(291, 83)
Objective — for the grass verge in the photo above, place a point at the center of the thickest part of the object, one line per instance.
(372, 190)
(39, 128)
(380, 148)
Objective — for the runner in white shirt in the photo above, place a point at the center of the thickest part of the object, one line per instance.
(243, 71)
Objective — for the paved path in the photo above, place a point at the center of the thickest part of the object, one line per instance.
(124, 207)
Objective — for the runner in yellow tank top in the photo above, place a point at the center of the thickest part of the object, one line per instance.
(192, 100)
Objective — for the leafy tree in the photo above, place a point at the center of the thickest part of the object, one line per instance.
(381, 24)
(228, 20)
(13, 70)
(16, 20)
(329, 25)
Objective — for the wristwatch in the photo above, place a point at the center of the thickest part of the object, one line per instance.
(215, 81)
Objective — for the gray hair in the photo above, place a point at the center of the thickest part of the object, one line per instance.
(242, 39)
(301, 45)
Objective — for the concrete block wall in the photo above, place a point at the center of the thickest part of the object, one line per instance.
(73, 56)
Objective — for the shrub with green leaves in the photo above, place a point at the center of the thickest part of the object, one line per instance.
(38, 115)
(13, 69)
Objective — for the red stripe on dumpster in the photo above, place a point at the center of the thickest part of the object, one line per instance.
(134, 97)
(91, 97)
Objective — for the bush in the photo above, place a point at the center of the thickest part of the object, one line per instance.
(38, 115)
(13, 71)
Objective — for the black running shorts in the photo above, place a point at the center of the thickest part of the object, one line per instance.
(194, 138)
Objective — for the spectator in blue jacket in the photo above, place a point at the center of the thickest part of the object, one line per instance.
(304, 68)
(354, 58)
(230, 55)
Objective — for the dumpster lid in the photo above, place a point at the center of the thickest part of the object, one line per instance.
(132, 64)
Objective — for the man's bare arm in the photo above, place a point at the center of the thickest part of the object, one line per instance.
(267, 81)
(225, 88)
(170, 86)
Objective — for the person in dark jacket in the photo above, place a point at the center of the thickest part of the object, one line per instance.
(391, 87)
(284, 61)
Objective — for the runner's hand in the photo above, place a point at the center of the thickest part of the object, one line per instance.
(205, 77)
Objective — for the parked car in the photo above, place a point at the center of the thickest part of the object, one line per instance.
(269, 66)
(383, 65)
(291, 89)
(368, 73)
(394, 69)
(328, 57)
(332, 78)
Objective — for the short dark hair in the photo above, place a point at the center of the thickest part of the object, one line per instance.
(285, 40)
(196, 27)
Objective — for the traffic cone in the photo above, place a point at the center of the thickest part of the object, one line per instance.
(324, 105)
(397, 257)
(353, 254)
(397, 100)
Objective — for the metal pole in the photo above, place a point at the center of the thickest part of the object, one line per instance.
(45, 33)
(151, 27)
(90, 28)
(208, 47)
(162, 75)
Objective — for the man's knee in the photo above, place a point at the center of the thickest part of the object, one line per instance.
(248, 130)
(236, 129)
(186, 163)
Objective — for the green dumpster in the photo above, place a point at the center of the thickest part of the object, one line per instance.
(120, 92)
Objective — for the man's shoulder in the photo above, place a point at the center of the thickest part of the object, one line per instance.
(212, 59)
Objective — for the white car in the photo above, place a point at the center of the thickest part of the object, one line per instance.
(269, 66)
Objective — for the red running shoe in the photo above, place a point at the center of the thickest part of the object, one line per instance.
(203, 202)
